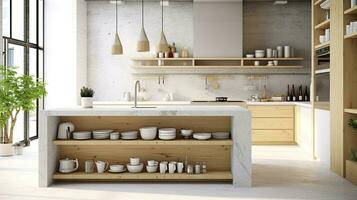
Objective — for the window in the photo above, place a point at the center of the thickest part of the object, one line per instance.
(23, 46)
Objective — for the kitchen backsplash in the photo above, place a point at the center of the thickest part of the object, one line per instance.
(110, 76)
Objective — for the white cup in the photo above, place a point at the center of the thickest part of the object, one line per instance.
(116, 168)
(114, 136)
(161, 55)
(276, 62)
(134, 161)
(163, 167)
(287, 51)
(256, 63)
(101, 166)
(269, 53)
(322, 38)
(172, 167)
(179, 167)
(152, 162)
(176, 55)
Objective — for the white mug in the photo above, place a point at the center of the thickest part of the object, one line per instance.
(256, 63)
(172, 167)
(101, 166)
(163, 167)
(180, 167)
(152, 162)
(276, 62)
(89, 166)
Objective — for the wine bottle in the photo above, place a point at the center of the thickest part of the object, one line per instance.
(293, 93)
(288, 97)
(306, 94)
(301, 97)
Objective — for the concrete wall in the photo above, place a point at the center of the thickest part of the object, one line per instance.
(65, 54)
(218, 29)
(110, 76)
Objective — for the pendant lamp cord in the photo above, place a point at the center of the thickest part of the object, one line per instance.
(116, 16)
(142, 13)
(162, 15)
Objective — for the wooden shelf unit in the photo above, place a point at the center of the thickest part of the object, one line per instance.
(180, 142)
(323, 25)
(351, 171)
(351, 111)
(351, 36)
(322, 45)
(211, 176)
(351, 11)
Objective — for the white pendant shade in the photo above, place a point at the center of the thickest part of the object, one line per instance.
(143, 43)
(117, 48)
(163, 46)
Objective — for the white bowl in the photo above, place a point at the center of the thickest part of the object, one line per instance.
(116, 168)
(186, 132)
(148, 133)
(250, 55)
(151, 169)
(129, 134)
(221, 135)
(102, 131)
(167, 130)
(202, 136)
(167, 137)
(135, 168)
(259, 53)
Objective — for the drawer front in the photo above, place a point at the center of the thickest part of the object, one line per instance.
(272, 136)
(273, 123)
(271, 111)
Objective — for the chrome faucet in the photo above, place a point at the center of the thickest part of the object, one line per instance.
(137, 89)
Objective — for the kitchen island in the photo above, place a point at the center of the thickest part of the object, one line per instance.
(227, 160)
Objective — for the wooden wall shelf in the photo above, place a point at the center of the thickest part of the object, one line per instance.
(318, 2)
(351, 111)
(219, 67)
(219, 175)
(188, 142)
(325, 44)
(351, 36)
(351, 11)
(323, 25)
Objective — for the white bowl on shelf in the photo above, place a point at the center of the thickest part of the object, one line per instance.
(167, 130)
(151, 169)
(220, 135)
(135, 168)
(186, 133)
(202, 136)
(148, 133)
(259, 53)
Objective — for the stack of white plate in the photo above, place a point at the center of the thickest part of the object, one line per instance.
(101, 134)
(167, 133)
(202, 136)
(221, 135)
(82, 135)
(129, 135)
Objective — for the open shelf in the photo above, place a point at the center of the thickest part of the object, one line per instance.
(351, 111)
(318, 2)
(153, 59)
(323, 25)
(222, 175)
(351, 11)
(325, 44)
(178, 142)
(220, 67)
(351, 36)
(322, 71)
(282, 59)
(351, 171)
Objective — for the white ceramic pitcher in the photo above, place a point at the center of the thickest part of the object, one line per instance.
(68, 165)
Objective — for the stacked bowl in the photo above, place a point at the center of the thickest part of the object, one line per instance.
(167, 133)
(101, 134)
(129, 135)
(82, 135)
(148, 133)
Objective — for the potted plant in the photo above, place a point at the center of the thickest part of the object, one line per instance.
(87, 97)
(17, 93)
(353, 155)
(353, 123)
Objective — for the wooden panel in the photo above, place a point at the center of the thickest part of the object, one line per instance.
(272, 136)
(217, 157)
(223, 175)
(188, 142)
(271, 111)
(351, 171)
(119, 123)
(273, 123)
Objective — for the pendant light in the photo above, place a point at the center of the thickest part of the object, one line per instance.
(163, 46)
(117, 48)
(143, 43)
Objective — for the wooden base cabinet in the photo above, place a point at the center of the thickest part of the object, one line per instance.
(273, 124)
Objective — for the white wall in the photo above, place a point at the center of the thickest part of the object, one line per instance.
(111, 76)
(322, 136)
(218, 29)
(65, 54)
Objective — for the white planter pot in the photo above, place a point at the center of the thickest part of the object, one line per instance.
(87, 102)
(6, 150)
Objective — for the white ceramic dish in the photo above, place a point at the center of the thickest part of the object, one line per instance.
(117, 171)
(135, 168)
(82, 135)
(250, 55)
(259, 53)
(151, 169)
(221, 135)
(148, 133)
(129, 134)
(167, 130)
(129, 138)
(186, 133)
(202, 136)
(167, 137)
(102, 131)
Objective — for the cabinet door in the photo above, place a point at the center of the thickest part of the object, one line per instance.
(272, 111)
(272, 136)
(273, 123)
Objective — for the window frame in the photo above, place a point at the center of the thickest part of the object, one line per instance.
(27, 45)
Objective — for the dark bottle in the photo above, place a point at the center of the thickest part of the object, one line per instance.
(306, 94)
(301, 96)
(288, 97)
(293, 96)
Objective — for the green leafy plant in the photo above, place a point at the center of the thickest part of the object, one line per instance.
(353, 155)
(17, 93)
(87, 92)
(353, 123)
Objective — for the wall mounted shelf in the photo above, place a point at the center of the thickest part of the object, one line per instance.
(351, 11)
(351, 111)
(318, 2)
(322, 45)
(323, 25)
(351, 36)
